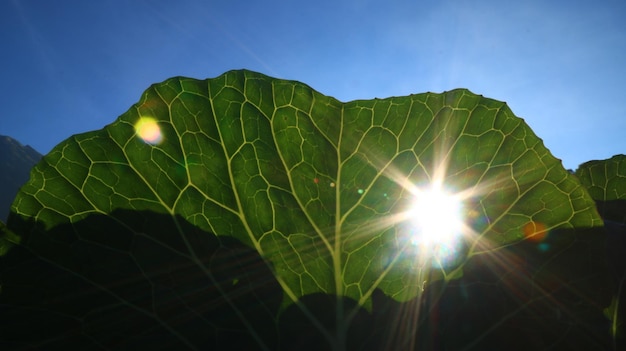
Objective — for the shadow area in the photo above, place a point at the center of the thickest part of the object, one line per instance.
(529, 296)
(612, 210)
(135, 280)
(614, 214)
(141, 280)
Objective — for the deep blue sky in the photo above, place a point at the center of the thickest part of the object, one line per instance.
(73, 66)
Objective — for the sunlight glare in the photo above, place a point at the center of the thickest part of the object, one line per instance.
(437, 221)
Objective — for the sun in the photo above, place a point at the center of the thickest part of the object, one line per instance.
(436, 220)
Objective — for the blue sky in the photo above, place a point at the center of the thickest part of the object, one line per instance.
(73, 66)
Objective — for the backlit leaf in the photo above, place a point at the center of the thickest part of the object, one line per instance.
(319, 189)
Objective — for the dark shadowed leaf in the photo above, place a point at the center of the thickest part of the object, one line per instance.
(606, 182)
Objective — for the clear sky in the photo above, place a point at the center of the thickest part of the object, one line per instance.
(71, 66)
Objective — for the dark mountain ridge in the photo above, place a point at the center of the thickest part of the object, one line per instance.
(16, 161)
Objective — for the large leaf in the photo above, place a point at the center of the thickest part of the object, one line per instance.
(317, 188)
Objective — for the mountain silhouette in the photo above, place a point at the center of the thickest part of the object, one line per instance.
(16, 161)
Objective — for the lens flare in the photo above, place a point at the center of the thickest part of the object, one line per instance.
(148, 130)
(535, 231)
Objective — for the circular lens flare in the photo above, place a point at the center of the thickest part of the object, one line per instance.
(148, 130)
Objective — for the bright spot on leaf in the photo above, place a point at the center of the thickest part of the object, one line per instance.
(436, 218)
(148, 130)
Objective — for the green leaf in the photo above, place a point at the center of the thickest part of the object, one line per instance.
(612, 313)
(606, 182)
(320, 189)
